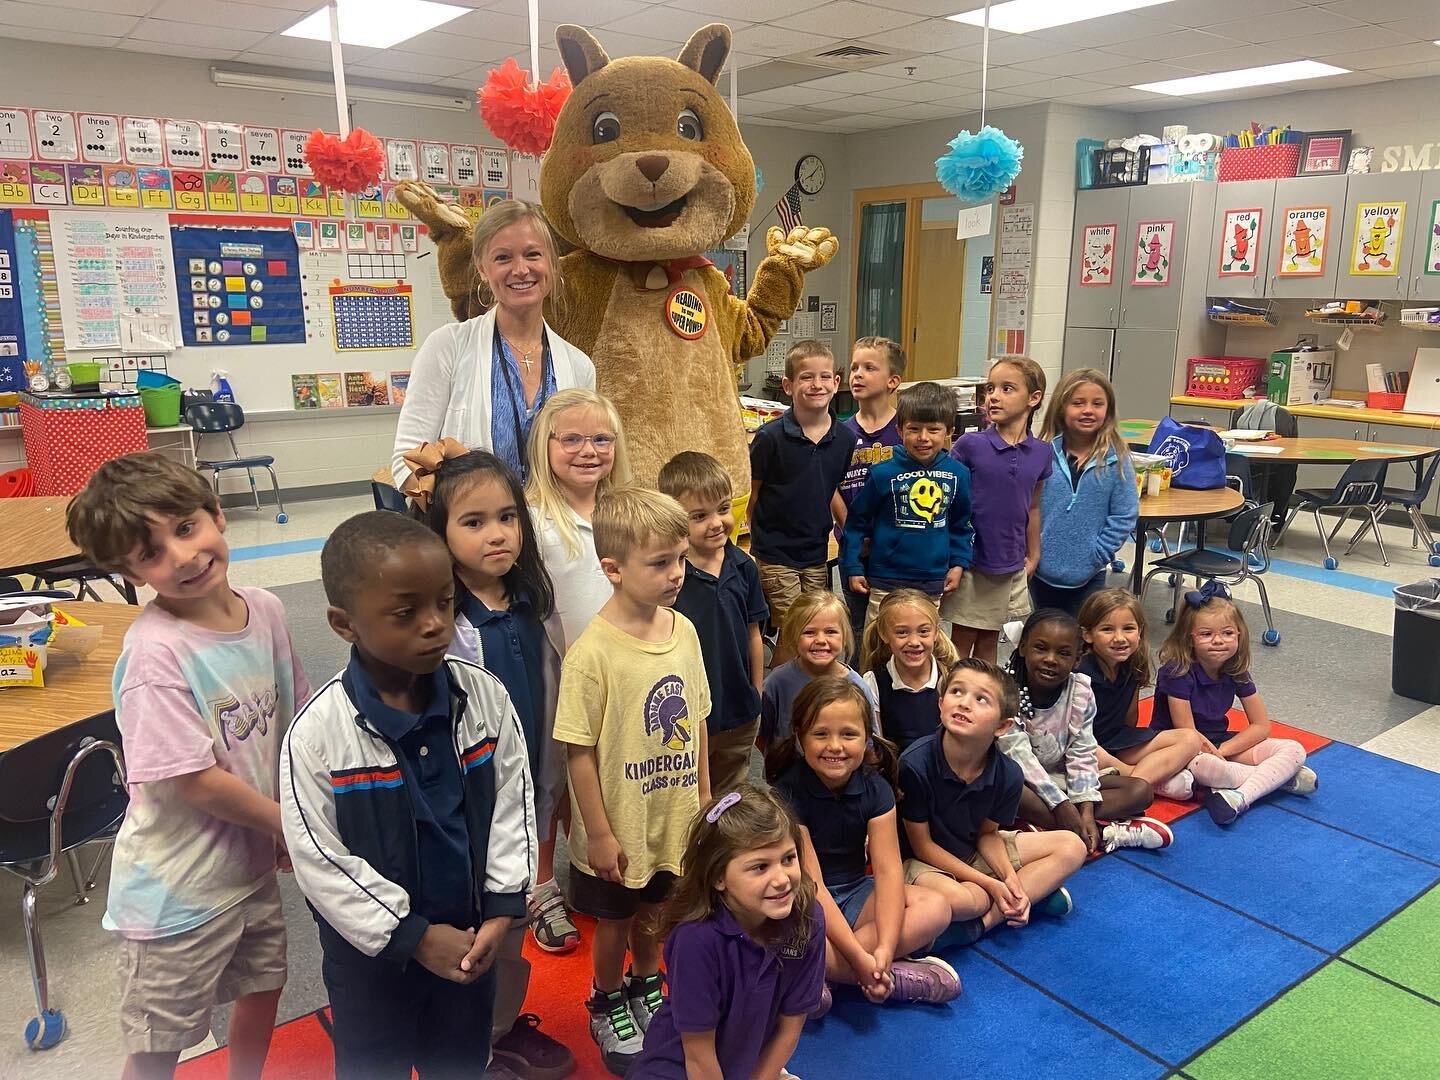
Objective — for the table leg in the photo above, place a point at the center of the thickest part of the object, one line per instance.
(1137, 570)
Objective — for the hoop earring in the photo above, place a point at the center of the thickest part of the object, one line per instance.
(482, 290)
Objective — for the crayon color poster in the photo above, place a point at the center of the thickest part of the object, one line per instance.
(1432, 241)
(1097, 254)
(1306, 241)
(1239, 241)
(1153, 240)
(1378, 227)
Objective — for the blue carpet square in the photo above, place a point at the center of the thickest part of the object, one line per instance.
(1324, 886)
(1167, 969)
(999, 1028)
(1376, 797)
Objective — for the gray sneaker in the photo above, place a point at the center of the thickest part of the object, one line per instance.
(1303, 782)
(614, 1030)
(646, 996)
(550, 920)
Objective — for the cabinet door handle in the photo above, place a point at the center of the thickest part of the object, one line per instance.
(1110, 314)
(1122, 315)
(1272, 282)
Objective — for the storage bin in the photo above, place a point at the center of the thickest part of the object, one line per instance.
(161, 404)
(1259, 162)
(1122, 168)
(68, 438)
(1385, 400)
(1226, 378)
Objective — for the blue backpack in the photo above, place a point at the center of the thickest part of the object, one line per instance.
(1196, 454)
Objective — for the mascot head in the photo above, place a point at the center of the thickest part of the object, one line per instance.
(647, 163)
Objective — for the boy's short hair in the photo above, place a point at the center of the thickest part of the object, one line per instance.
(1005, 684)
(629, 517)
(693, 473)
(355, 549)
(925, 403)
(805, 349)
(110, 516)
(890, 350)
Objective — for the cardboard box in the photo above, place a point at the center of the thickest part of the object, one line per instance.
(1300, 377)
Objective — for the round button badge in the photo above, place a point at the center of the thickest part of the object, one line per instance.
(213, 300)
(222, 335)
(685, 313)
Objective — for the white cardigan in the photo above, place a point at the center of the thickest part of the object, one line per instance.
(450, 391)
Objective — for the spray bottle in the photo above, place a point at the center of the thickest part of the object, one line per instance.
(220, 385)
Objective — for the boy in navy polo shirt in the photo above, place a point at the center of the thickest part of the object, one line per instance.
(408, 811)
(723, 598)
(958, 790)
(796, 464)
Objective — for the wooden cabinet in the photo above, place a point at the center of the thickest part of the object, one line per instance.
(1390, 188)
(1296, 193)
(1424, 283)
(1250, 251)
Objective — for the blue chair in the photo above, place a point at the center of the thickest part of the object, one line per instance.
(57, 794)
(1409, 500)
(1357, 491)
(226, 418)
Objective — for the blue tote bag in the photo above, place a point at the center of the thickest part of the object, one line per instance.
(1196, 454)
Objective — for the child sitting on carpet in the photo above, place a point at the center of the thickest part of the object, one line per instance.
(905, 656)
(1204, 667)
(1053, 742)
(744, 946)
(408, 810)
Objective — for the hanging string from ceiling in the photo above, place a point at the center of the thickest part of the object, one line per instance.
(980, 166)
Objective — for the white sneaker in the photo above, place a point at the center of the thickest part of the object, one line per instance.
(1140, 832)
(1303, 782)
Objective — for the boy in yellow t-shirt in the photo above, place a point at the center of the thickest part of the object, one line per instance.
(633, 704)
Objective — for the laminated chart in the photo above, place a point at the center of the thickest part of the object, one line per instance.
(108, 264)
(241, 286)
(372, 316)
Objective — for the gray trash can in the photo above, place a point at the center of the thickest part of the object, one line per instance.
(1415, 651)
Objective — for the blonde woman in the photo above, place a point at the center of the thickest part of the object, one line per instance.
(483, 381)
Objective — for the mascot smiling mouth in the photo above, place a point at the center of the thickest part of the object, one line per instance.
(661, 218)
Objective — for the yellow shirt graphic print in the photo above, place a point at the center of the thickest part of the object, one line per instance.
(922, 498)
(926, 499)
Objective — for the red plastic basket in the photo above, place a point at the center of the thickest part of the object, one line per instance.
(1225, 377)
(1259, 162)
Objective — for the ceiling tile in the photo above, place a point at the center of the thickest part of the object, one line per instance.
(932, 8)
(1282, 25)
(408, 63)
(999, 79)
(851, 82)
(1109, 29)
(916, 90)
(763, 121)
(776, 41)
(224, 13)
(71, 19)
(1074, 63)
(867, 103)
(113, 7)
(919, 110)
(182, 35)
(1420, 28)
(1381, 11)
(1242, 56)
(932, 35)
(165, 48)
(1338, 42)
(1056, 88)
(806, 114)
(853, 124)
(439, 43)
(1393, 56)
(849, 19)
(278, 45)
(750, 107)
(663, 22)
(581, 12)
(1011, 49)
(750, 10)
(1181, 44)
(60, 37)
(1115, 96)
(1410, 71)
(800, 94)
(926, 67)
(618, 44)
(1131, 74)
(1210, 12)
(259, 58)
(498, 26)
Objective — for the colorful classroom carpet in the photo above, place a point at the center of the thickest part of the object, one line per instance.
(1303, 941)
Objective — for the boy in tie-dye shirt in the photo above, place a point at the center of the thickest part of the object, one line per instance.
(205, 687)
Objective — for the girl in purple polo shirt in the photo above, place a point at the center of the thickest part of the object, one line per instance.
(1008, 467)
(1204, 667)
(744, 946)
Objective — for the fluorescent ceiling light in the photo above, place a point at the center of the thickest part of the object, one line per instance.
(376, 24)
(1233, 80)
(1022, 16)
(252, 80)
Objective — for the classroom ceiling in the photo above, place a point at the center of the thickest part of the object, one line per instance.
(927, 66)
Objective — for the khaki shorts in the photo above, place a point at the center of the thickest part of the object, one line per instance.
(783, 585)
(914, 868)
(169, 985)
(987, 601)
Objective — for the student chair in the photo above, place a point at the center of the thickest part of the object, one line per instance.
(57, 795)
(1357, 491)
(84, 576)
(388, 497)
(226, 418)
(1250, 536)
(1270, 481)
(1409, 500)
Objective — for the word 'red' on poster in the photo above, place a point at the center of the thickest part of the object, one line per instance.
(1240, 242)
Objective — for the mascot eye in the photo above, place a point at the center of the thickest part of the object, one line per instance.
(606, 128)
(687, 126)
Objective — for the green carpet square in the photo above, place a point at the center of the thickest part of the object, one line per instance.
(1339, 1024)
(1406, 949)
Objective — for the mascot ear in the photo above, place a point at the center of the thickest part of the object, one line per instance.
(706, 50)
(582, 54)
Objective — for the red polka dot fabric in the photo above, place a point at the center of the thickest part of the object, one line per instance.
(63, 446)
(1259, 162)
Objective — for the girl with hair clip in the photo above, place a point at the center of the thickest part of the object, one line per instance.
(744, 946)
(839, 780)
(905, 657)
(1204, 667)
(817, 632)
(1089, 505)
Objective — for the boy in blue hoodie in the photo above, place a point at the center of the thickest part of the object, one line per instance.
(914, 509)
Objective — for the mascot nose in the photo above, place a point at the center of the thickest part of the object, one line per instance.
(652, 166)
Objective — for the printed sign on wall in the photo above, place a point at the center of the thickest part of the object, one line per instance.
(1152, 252)
(1378, 227)
(1239, 239)
(1097, 254)
(1302, 252)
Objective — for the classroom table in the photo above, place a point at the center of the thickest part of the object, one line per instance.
(33, 536)
(76, 688)
(1179, 504)
(1138, 433)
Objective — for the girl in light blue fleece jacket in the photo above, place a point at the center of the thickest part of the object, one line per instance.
(1089, 505)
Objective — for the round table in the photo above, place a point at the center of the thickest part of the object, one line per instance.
(1180, 504)
(33, 536)
(1299, 450)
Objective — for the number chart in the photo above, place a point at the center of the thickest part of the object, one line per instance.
(372, 316)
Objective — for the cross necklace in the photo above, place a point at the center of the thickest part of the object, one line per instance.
(524, 353)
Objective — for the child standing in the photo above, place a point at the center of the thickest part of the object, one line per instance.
(877, 365)
(1053, 742)
(796, 463)
(906, 656)
(1204, 667)
(505, 622)
(634, 700)
(959, 788)
(744, 946)
(723, 599)
(408, 809)
(817, 631)
(838, 779)
(1090, 504)
(914, 510)
(204, 689)
(1008, 469)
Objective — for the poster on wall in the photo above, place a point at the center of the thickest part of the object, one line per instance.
(1097, 254)
(1306, 241)
(15, 141)
(732, 265)
(12, 320)
(1378, 227)
(109, 264)
(1239, 241)
(241, 285)
(1152, 252)
(1432, 241)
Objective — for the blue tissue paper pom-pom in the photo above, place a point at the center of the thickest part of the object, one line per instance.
(759, 180)
(980, 166)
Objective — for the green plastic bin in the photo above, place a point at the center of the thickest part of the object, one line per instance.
(161, 404)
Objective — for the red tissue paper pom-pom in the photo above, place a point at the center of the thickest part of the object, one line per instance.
(353, 164)
(520, 113)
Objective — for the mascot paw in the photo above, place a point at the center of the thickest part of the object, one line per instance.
(811, 248)
(425, 203)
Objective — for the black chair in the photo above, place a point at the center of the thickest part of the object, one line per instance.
(226, 418)
(388, 497)
(1267, 481)
(58, 793)
(1250, 536)
(84, 576)
(1358, 491)
(1410, 500)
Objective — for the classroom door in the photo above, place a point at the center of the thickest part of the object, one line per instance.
(939, 288)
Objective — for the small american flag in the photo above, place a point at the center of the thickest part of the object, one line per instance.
(789, 209)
